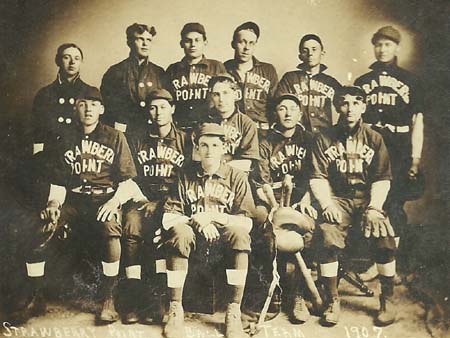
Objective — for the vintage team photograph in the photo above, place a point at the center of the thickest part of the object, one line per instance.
(234, 169)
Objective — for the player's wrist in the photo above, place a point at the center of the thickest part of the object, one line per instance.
(374, 208)
(54, 204)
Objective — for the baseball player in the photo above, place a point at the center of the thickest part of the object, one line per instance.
(52, 113)
(314, 88)
(126, 85)
(351, 178)
(92, 179)
(286, 151)
(395, 106)
(213, 207)
(159, 155)
(188, 78)
(241, 134)
(257, 80)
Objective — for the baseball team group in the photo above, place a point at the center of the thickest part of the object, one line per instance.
(206, 156)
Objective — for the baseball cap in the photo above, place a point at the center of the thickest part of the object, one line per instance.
(349, 90)
(159, 93)
(249, 25)
(308, 37)
(211, 129)
(193, 27)
(220, 76)
(387, 32)
(90, 93)
(286, 96)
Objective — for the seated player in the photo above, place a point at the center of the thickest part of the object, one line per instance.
(286, 151)
(159, 154)
(241, 134)
(92, 179)
(213, 207)
(351, 178)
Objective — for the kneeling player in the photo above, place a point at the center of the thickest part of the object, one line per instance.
(284, 153)
(93, 178)
(214, 204)
(351, 179)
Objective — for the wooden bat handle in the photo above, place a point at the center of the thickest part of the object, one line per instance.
(271, 197)
(317, 300)
(288, 186)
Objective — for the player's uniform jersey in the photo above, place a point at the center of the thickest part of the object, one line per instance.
(53, 110)
(256, 89)
(226, 191)
(315, 94)
(159, 160)
(241, 136)
(280, 156)
(189, 87)
(393, 95)
(124, 88)
(101, 159)
(350, 160)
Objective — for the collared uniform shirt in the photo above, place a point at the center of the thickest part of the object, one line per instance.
(241, 135)
(101, 159)
(189, 87)
(350, 160)
(281, 156)
(226, 191)
(393, 95)
(256, 88)
(53, 110)
(315, 93)
(124, 88)
(159, 160)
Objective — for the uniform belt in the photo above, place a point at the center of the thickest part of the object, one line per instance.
(262, 125)
(157, 187)
(279, 185)
(89, 190)
(391, 127)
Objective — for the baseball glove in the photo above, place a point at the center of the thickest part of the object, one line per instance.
(376, 224)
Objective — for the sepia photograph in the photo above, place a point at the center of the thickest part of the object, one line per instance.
(224, 168)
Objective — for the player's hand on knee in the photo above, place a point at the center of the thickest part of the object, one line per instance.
(148, 208)
(52, 212)
(109, 210)
(201, 220)
(332, 214)
(307, 209)
(210, 233)
(376, 224)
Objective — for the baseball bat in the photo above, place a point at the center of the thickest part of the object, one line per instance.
(317, 300)
(270, 196)
(286, 192)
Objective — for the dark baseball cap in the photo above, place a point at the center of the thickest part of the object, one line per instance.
(193, 27)
(387, 32)
(250, 26)
(286, 96)
(90, 93)
(210, 129)
(349, 90)
(308, 37)
(219, 77)
(159, 93)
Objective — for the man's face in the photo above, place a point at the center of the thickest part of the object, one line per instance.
(193, 44)
(311, 53)
(89, 111)
(245, 45)
(223, 97)
(161, 112)
(351, 108)
(141, 44)
(385, 50)
(288, 113)
(211, 149)
(71, 60)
